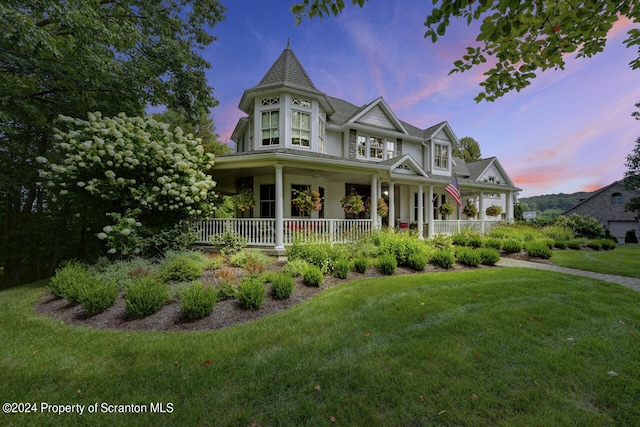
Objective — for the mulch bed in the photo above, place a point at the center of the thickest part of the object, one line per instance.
(225, 313)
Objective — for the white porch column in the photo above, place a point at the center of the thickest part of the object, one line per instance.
(510, 206)
(430, 219)
(481, 211)
(420, 218)
(279, 208)
(374, 202)
(392, 206)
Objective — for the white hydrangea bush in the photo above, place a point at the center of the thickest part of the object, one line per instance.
(142, 173)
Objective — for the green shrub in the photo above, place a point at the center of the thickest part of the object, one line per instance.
(125, 272)
(226, 290)
(341, 268)
(145, 296)
(493, 243)
(560, 244)
(630, 237)
(197, 301)
(361, 264)
(511, 246)
(98, 295)
(595, 244)
(295, 267)
(312, 276)
(585, 226)
(575, 244)
(322, 255)
(69, 281)
(489, 256)
(441, 241)
(558, 232)
(474, 241)
(282, 286)
(468, 256)
(459, 240)
(418, 261)
(443, 258)
(252, 293)
(180, 269)
(387, 263)
(538, 249)
(248, 256)
(229, 242)
(608, 244)
(401, 246)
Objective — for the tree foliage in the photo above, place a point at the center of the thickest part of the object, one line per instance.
(520, 38)
(73, 56)
(201, 127)
(632, 178)
(469, 149)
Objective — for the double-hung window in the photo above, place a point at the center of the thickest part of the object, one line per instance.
(441, 156)
(270, 127)
(374, 148)
(300, 128)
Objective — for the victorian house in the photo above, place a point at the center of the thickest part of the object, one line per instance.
(297, 140)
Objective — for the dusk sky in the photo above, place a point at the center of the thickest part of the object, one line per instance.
(568, 131)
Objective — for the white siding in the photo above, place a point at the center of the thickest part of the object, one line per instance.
(414, 149)
(493, 171)
(377, 117)
(333, 144)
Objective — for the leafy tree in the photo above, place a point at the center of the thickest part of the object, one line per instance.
(70, 57)
(202, 127)
(520, 37)
(469, 149)
(632, 178)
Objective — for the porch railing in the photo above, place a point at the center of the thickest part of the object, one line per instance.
(261, 232)
(325, 230)
(451, 226)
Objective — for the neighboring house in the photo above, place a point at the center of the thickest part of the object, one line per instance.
(295, 137)
(607, 206)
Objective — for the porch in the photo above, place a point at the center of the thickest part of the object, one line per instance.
(262, 231)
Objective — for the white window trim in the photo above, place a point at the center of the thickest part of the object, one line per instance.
(308, 113)
(367, 147)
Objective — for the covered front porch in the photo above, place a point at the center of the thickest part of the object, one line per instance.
(261, 232)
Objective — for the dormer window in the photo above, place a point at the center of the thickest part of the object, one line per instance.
(300, 128)
(270, 127)
(617, 199)
(441, 156)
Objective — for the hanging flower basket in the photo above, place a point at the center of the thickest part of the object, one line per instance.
(470, 210)
(352, 204)
(493, 210)
(244, 200)
(307, 201)
(446, 209)
(383, 208)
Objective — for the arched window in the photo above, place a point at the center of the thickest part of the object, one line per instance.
(617, 199)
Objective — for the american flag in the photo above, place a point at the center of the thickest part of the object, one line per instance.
(454, 191)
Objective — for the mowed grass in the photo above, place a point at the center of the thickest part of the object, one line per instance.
(623, 260)
(490, 346)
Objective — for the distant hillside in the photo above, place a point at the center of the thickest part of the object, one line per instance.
(554, 202)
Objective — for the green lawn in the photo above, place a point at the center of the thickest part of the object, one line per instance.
(623, 261)
(490, 346)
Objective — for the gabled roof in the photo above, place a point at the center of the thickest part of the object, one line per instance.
(432, 131)
(406, 161)
(478, 168)
(593, 195)
(386, 111)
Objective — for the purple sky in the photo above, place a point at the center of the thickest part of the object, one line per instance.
(568, 131)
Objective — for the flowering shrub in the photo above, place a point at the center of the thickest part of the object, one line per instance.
(307, 201)
(383, 208)
(352, 204)
(132, 170)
